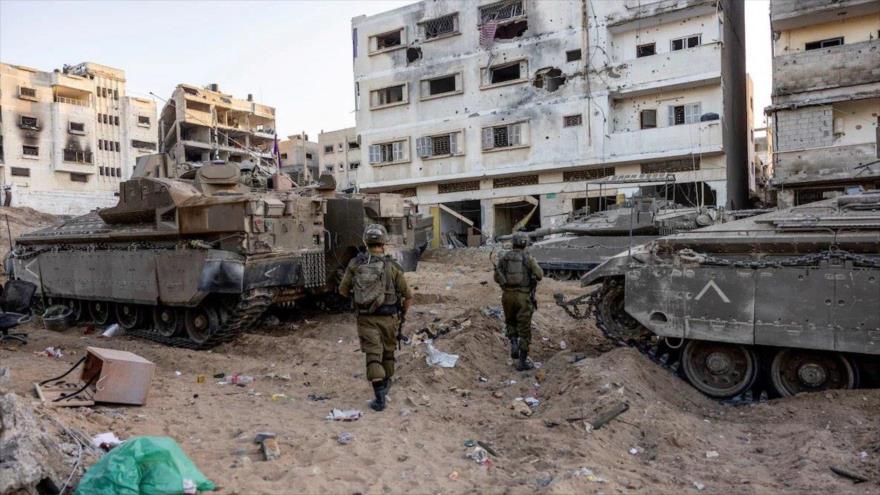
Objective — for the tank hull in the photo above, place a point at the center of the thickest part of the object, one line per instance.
(573, 256)
(784, 302)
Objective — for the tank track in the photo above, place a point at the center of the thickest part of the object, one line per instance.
(247, 311)
(647, 344)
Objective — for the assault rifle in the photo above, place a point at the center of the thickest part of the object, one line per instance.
(401, 314)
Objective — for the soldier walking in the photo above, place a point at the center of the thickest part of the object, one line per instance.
(382, 298)
(518, 274)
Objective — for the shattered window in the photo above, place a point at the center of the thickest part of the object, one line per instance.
(500, 137)
(435, 28)
(76, 127)
(572, 120)
(388, 40)
(572, 55)
(815, 45)
(646, 50)
(504, 73)
(30, 151)
(686, 42)
(28, 122)
(441, 85)
(387, 96)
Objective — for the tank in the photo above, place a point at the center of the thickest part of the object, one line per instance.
(587, 239)
(193, 258)
(784, 302)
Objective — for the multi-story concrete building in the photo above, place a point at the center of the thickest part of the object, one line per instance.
(826, 97)
(340, 155)
(201, 124)
(70, 136)
(297, 152)
(503, 111)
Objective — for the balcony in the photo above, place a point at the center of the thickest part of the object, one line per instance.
(634, 12)
(792, 14)
(681, 69)
(665, 142)
(827, 68)
(76, 156)
(72, 101)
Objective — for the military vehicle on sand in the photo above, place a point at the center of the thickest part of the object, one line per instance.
(788, 299)
(193, 259)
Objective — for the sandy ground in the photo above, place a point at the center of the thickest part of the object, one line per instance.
(671, 440)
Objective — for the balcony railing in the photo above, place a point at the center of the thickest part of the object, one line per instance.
(71, 101)
(683, 67)
(700, 137)
(77, 156)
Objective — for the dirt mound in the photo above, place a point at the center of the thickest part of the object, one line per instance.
(22, 220)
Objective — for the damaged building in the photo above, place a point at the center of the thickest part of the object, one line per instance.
(340, 156)
(826, 97)
(298, 155)
(498, 113)
(201, 124)
(69, 136)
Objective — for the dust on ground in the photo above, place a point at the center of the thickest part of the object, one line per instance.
(671, 440)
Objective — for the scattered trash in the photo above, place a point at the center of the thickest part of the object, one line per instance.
(603, 418)
(124, 378)
(519, 406)
(497, 394)
(483, 379)
(112, 331)
(277, 397)
(345, 438)
(106, 441)
(470, 443)
(634, 450)
(488, 448)
(855, 477)
(237, 379)
(439, 358)
(532, 402)
(699, 486)
(316, 397)
(274, 376)
(863, 456)
(480, 456)
(57, 318)
(493, 312)
(544, 480)
(562, 345)
(588, 474)
(177, 373)
(348, 415)
(510, 382)
(5, 378)
(268, 445)
(53, 352)
(578, 359)
(711, 454)
(144, 465)
(271, 321)
(453, 476)
(220, 375)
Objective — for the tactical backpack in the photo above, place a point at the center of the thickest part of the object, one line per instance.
(372, 283)
(515, 270)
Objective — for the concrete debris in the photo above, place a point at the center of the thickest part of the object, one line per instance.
(33, 457)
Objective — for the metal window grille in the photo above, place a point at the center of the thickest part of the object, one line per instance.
(440, 26)
(572, 120)
(454, 187)
(522, 180)
(77, 156)
(500, 136)
(501, 11)
(30, 151)
(591, 174)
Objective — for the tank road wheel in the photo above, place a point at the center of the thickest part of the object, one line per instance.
(719, 370)
(167, 320)
(614, 321)
(799, 370)
(201, 323)
(564, 275)
(100, 311)
(129, 316)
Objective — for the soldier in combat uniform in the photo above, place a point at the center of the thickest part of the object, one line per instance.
(381, 296)
(518, 274)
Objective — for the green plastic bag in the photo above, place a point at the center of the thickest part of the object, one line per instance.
(144, 466)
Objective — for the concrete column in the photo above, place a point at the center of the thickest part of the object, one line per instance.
(487, 218)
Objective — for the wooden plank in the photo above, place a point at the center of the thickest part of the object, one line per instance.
(456, 214)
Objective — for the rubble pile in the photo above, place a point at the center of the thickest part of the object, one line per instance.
(38, 455)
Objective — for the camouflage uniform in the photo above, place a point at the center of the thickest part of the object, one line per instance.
(377, 332)
(518, 308)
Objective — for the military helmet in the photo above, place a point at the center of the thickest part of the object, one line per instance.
(520, 240)
(375, 234)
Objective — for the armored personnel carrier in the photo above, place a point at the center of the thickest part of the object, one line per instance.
(194, 259)
(588, 239)
(789, 298)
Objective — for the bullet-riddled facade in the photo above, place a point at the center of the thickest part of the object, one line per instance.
(69, 136)
(826, 97)
(502, 111)
(340, 155)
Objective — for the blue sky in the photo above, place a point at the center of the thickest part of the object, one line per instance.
(293, 55)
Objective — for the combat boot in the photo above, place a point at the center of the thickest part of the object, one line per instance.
(524, 363)
(387, 384)
(378, 404)
(514, 347)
